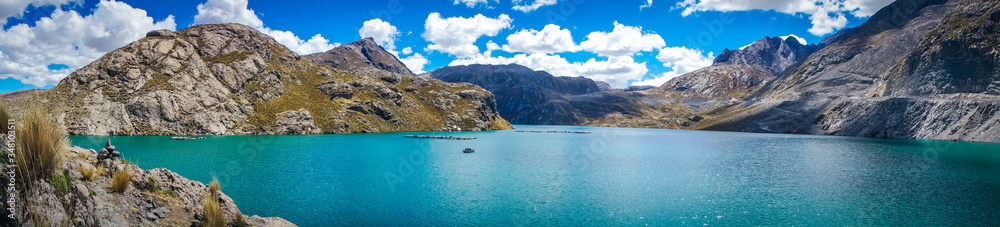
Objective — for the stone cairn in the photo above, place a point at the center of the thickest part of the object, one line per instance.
(108, 152)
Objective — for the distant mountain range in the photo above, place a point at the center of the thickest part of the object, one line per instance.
(924, 69)
(232, 79)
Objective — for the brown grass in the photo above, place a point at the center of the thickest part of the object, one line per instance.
(120, 181)
(214, 187)
(212, 209)
(91, 173)
(40, 144)
(4, 116)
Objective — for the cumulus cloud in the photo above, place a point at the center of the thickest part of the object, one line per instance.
(457, 35)
(681, 60)
(826, 15)
(67, 38)
(407, 50)
(617, 71)
(529, 5)
(415, 62)
(647, 5)
(382, 32)
(236, 11)
(550, 39)
(474, 3)
(622, 41)
(15, 8)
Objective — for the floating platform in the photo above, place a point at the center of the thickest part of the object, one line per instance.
(187, 138)
(574, 132)
(440, 137)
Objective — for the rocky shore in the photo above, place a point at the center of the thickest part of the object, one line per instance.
(156, 197)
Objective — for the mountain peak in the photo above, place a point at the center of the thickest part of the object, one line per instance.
(364, 56)
(773, 53)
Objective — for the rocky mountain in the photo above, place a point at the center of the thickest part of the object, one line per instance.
(232, 79)
(924, 69)
(525, 96)
(772, 53)
(360, 56)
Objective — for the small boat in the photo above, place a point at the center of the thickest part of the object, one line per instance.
(468, 150)
(187, 138)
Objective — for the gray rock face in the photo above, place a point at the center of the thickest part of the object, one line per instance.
(232, 79)
(774, 54)
(921, 69)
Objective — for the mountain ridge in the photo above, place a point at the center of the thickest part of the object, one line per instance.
(231, 79)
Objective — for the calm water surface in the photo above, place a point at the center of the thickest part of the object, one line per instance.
(612, 176)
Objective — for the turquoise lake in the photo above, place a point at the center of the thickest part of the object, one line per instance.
(613, 176)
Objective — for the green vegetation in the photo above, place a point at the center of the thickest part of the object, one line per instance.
(41, 144)
(91, 173)
(169, 192)
(158, 82)
(120, 180)
(152, 185)
(61, 181)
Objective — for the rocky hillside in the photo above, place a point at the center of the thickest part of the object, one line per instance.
(362, 56)
(232, 79)
(924, 69)
(156, 197)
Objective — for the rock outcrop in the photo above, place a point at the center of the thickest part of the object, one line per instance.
(232, 79)
(156, 197)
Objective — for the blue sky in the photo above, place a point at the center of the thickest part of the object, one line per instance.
(621, 42)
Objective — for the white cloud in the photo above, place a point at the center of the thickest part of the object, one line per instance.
(622, 41)
(681, 60)
(67, 38)
(491, 46)
(550, 39)
(415, 62)
(15, 8)
(826, 15)
(382, 32)
(647, 5)
(799, 39)
(617, 71)
(524, 6)
(407, 50)
(474, 3)
(236, 11)
(457, 35)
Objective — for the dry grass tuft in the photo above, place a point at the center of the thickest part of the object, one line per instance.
(212, 209)
(4, 116)
(41, 143)
(91, 173)
(214, 187)
(120, 181)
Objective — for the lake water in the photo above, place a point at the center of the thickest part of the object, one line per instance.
(613, 176)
